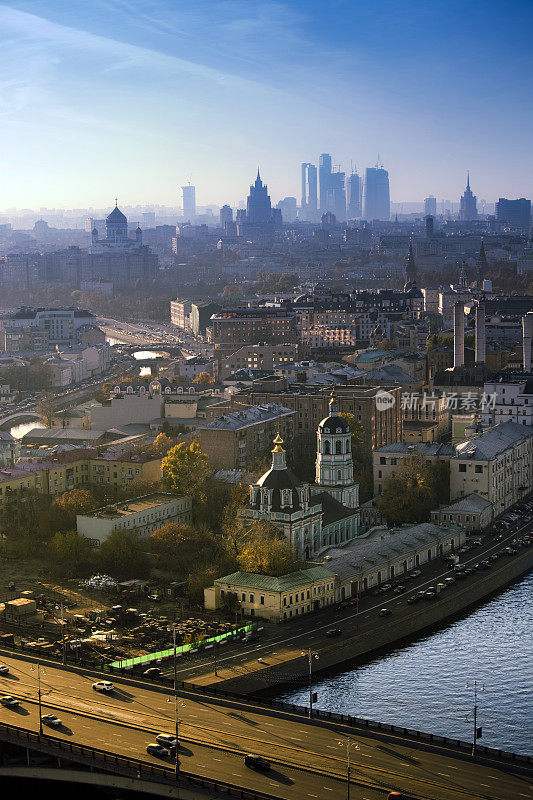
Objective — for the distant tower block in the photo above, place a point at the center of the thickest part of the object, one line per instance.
(458, 335)
(527, 333)
(480, 333)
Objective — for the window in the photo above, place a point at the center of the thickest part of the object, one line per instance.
(382, 460)
(243, 597)
(251, 598)
(327, 448)
(262, 599)
(478, 468)
(462, 467)
(338, 447)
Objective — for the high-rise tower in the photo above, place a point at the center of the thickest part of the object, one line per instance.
(258, 206)
(324, 174)
(309, 192)
(189, 202)
(468, 203)
(354, 196)
(376, 194)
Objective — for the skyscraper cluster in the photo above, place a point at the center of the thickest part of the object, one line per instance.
(346, 196)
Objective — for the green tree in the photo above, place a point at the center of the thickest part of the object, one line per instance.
(185, 469)
(70, 555)
(411, 493)
(123, 555)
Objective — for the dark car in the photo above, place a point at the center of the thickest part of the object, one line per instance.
(333, 632)
(257, 762)
(166, 740)
(152, 672)
(157, 750)
(399, 590)
(385, 612)
(414, 599)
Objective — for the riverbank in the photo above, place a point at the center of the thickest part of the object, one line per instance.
(371, 634)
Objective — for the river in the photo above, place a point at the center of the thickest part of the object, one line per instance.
(422, 685)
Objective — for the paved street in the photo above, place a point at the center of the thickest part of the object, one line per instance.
(307, 759)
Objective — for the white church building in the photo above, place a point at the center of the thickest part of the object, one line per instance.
(116, 239)
(311, 516)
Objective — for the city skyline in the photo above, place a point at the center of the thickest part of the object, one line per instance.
(98, 101)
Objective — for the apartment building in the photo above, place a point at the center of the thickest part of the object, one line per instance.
(143, 515)
(391, 458)
(496, 464)
(75, 468)
(258, 356)
(508, 400)
(234, 328)
(381, 424)
(233, 441)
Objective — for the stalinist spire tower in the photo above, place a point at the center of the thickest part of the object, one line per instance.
(468, 203)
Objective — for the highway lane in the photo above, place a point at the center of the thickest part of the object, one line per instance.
(295, 636)
(132, 717)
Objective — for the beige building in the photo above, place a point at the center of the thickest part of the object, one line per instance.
(496, 464)
(233, 441)
(473, 513)
(141, 514)
(258, 356)
(274, 599)
(393, 457)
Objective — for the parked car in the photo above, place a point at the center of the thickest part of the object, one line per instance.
(103, 686)
(399, 590)
(415, 573)
(257, 762)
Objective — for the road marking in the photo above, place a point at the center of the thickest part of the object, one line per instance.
(328, 789)
(444, 775)
(217, 759)
(485, 784)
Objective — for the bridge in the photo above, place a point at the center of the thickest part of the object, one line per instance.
(109, 734)
(19, 416)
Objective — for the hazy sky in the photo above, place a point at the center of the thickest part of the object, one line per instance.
(135, 97)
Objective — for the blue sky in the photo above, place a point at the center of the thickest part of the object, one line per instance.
(135, 97)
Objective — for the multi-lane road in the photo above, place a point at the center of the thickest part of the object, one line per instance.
(307, 760)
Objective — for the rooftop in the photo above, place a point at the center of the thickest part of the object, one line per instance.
(302, 577)
(494, 441)
(472, 503)
(250, 416)
(421, 448)
(134, 506)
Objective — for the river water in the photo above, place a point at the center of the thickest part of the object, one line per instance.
(422, 685)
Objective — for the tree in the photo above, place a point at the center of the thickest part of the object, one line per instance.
(76, 501)
(123, 555)
(185, 469)
(70, 555)
(162, 444)
(358, 437)
(198, 580)
(46, 409)
(265, 551)
(411, 493)
(204, 379)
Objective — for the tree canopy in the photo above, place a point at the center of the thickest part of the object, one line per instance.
(411, 493)
(123, 555)
(185, 470)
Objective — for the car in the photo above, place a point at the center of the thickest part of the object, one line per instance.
(9, 701)
(468, 571)
(448, 581)
(156, 598)
(103, 686)
(442, 586)
(385, 612)
(399, 590)
(430, 595)
(485, 565)
(256, 762)
(52, 720)
(166, 740)
(157, 750)
(4, 669)
(386, 587)
(415, 573)
(333, 632)
(460, 576)
(414, 599)
(152, 672)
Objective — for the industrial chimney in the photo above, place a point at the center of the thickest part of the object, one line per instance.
(480, 333)
(458, 335)
(527, 334)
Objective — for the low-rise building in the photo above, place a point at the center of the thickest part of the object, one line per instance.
(473, 513)
(141, 514)
(496, 464)
(393, 457)
(262, 356)
(274, 599)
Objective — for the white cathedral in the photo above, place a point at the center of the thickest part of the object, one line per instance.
(311, 516)
(116, 238)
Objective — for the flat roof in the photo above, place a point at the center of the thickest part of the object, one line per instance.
(134, 506)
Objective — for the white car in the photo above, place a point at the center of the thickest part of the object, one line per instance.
(4, 669)
(103, 686)
(9, 701)
(52, 720)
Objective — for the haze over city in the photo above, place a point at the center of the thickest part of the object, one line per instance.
(108, 98)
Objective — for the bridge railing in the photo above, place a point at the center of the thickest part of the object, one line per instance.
(129, 767)
(290, 708)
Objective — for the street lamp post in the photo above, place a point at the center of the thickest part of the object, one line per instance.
(310, 655)
(350, 745)
(177, 765)
(39, 696)
(475, 736)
